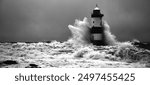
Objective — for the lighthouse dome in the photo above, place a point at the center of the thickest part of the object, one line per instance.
(96, 8)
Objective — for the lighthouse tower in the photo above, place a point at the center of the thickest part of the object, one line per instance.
(97, 31)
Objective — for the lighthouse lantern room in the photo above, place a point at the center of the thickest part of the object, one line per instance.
(97, 30)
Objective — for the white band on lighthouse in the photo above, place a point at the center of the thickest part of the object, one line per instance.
(97, 36)
(96, 22)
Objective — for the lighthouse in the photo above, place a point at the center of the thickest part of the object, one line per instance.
(97, 30)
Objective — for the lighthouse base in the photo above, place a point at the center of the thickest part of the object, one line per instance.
(98, 43)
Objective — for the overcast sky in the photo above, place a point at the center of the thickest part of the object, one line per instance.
(38, 20)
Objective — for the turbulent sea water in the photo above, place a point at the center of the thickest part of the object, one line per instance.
(70, 55)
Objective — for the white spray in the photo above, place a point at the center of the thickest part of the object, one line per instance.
(81, 32)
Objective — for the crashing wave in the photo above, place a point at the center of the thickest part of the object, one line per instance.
(81, 32)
